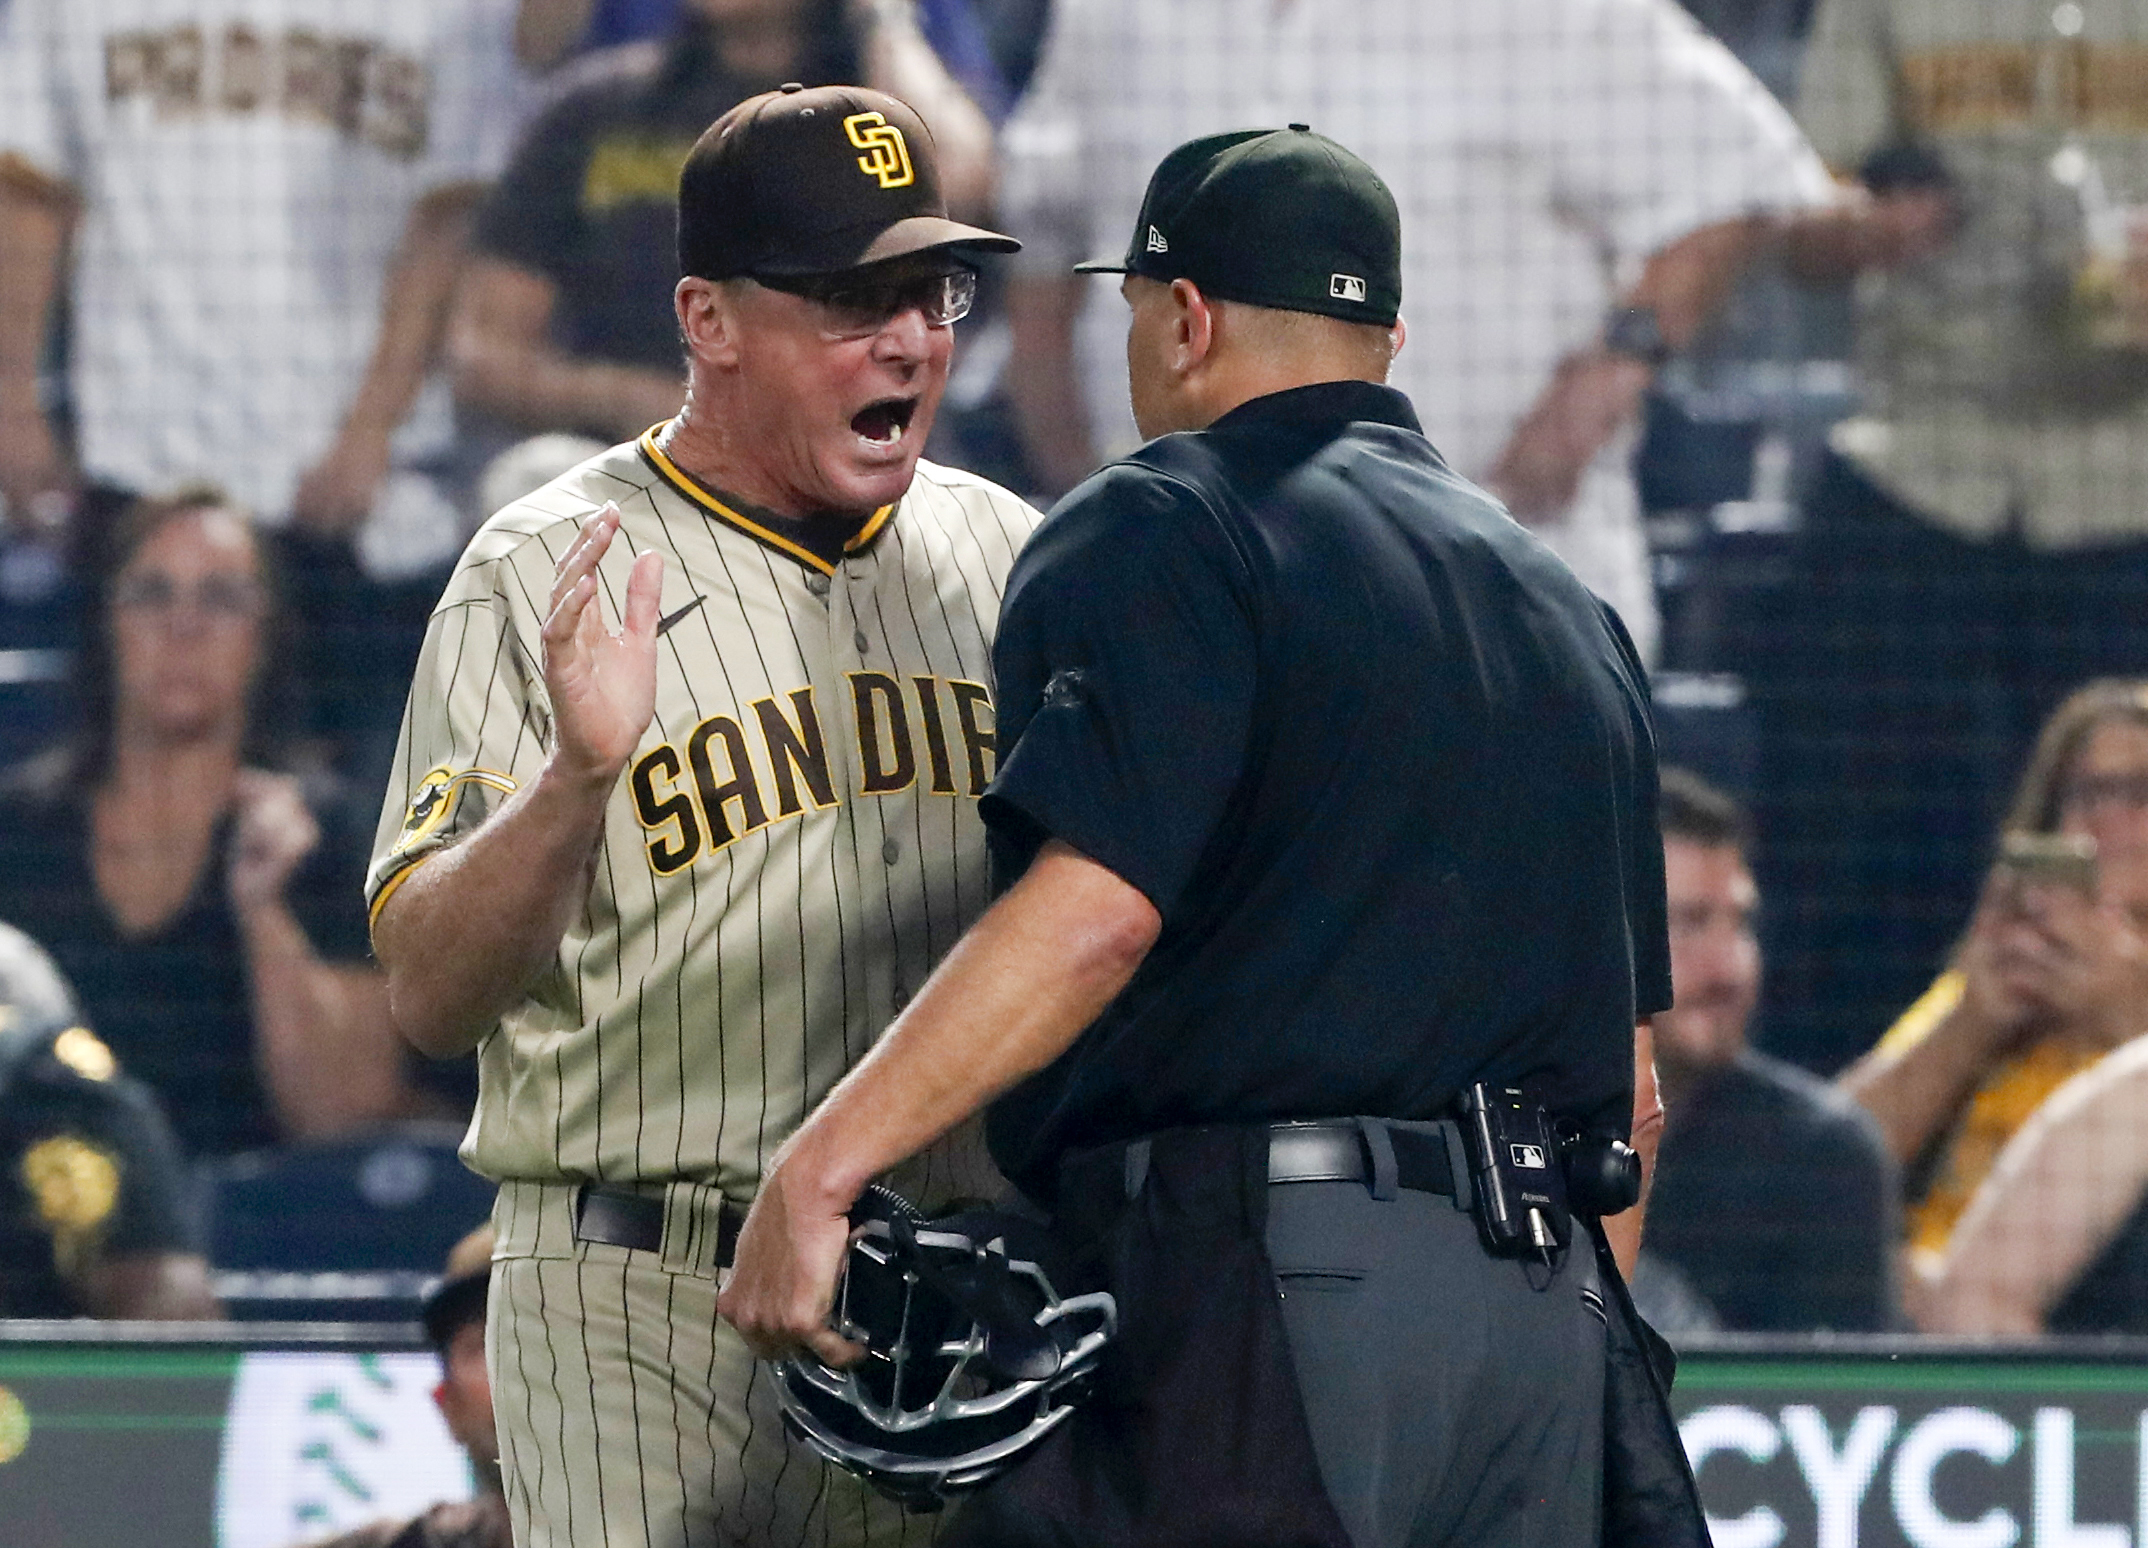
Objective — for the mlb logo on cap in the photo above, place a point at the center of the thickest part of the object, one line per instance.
(1346, 287)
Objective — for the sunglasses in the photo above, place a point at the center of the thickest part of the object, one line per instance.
(2095, 789)
(854, 309)
(218, 597)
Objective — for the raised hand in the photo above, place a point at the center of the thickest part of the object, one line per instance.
(2091, 965)
(275, 832)
(602, 682)
(2000, 969)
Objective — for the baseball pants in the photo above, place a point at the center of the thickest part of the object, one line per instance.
(631, 1416)
(1455, 1399)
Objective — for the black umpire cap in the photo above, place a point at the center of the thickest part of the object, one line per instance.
(798, 182)
(1284, 218)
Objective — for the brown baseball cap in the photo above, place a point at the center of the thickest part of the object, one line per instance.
(815, 181)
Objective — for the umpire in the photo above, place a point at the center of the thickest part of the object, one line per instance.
(1326, 794)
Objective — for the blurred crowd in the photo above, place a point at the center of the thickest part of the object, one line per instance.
(1811, 333)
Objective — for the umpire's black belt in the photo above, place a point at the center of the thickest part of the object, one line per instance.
(1382, 1154)
(1347, 1150)
(620, 1217)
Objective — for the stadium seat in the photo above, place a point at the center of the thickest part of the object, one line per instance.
(349, 1229)
(1704, 722)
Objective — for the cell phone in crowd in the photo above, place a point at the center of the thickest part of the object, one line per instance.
(2050, 860)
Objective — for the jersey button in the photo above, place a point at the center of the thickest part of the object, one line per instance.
(818, 584)
(861, 642)
(891, 851)
(902, 997)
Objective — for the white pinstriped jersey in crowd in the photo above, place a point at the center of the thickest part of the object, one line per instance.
(795, 841)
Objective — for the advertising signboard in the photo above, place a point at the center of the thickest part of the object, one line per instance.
(1843, 1444)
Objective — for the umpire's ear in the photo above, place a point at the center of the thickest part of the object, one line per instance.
(709, 319)
(1193, 327)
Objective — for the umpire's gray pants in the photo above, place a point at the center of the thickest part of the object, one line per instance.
(1455, 1399)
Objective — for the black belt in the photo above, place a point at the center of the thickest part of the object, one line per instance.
(1336, 1152)
(619, 1217)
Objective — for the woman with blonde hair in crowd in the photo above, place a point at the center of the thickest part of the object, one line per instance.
(2051, 976)
(205, 906)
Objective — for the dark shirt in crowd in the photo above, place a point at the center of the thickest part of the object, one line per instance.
(88, 1168)
(612, 22)
(2111, 1294)
(173, 1003)
(1777, 1200)
(1382, 873)
(590, 199)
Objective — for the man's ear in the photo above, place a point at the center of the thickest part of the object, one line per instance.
(1193, 327)
(448, 1398)
(708, 320)
(1400, 333)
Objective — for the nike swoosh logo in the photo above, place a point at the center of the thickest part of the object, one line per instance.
(669, 619)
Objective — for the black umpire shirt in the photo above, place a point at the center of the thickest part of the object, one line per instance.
(1382, 764)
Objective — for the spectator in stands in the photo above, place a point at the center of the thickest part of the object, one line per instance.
(2052, 975)
(205, 908)
(550, 32)
(987, 45)
(94, 1220)
(2056, 1240)
(1579, 183)
(259, 229)
(455, 1325)
(1774, 1195)
(257, 214)
(1978, 541)
(564, 320)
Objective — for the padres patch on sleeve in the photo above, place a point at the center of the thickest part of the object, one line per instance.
(434, 798)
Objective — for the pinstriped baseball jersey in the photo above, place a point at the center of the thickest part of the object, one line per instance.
(792, 847)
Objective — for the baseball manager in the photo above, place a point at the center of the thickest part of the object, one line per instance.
(1326, 794)
(670, 875)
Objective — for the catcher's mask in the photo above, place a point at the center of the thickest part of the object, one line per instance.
(972, 1357)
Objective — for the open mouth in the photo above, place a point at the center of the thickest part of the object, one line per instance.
(886, 422)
